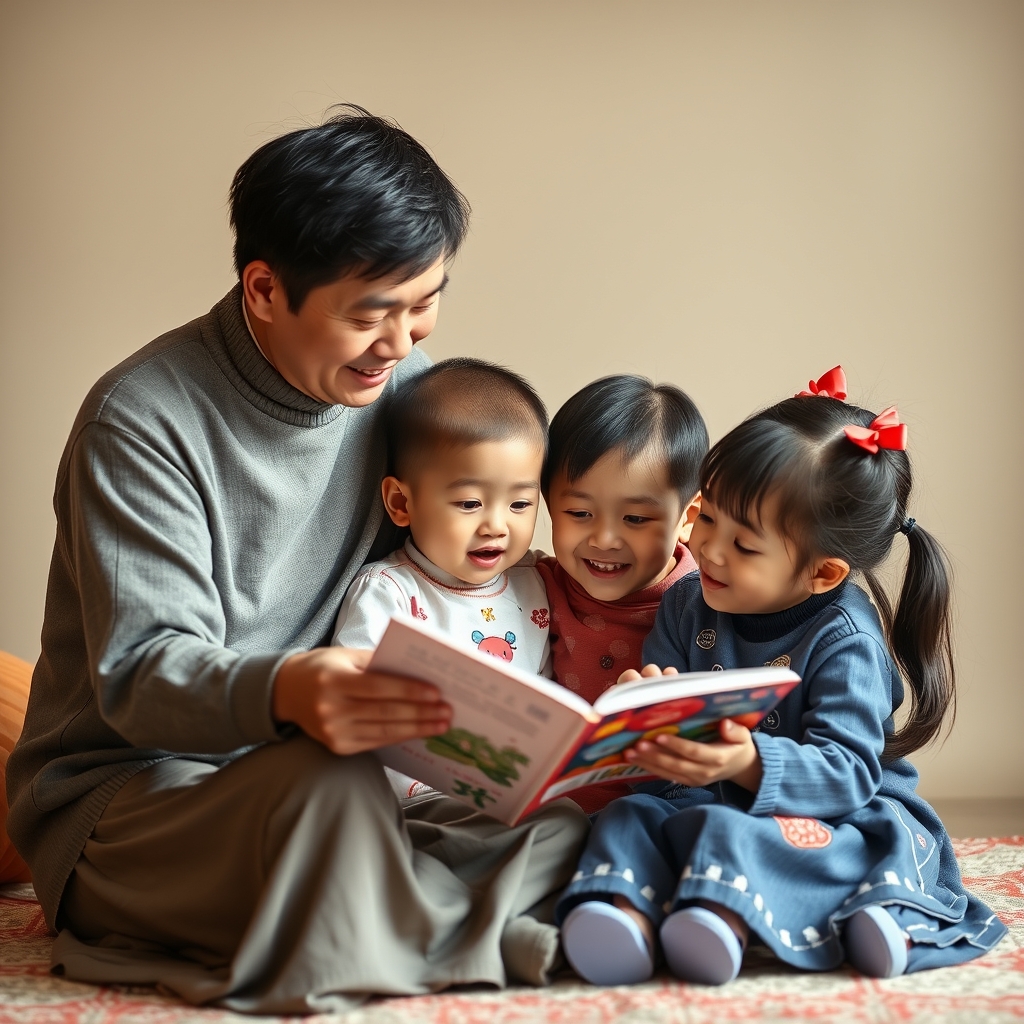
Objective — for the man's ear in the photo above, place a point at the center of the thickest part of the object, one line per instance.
(828, 574)
(396, 501)
(689, 518)
(259, 283)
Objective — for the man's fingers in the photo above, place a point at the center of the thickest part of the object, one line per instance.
(356, 737)
(361, 712)
(376, 686)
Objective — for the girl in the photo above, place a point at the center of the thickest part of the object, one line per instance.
(807, 833)
(620, 482)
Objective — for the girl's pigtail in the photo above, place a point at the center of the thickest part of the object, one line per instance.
(920, 637)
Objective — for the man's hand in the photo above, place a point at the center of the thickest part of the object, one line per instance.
(328, 693)
(735, 757)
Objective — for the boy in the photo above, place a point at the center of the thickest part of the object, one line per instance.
(621, 485)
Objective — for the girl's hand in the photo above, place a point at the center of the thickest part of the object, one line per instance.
(647, 672)
(734, 757)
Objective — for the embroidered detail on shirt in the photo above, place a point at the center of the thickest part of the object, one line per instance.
(488, 614)
(782, 661)
(595, 622)
(417, 611)
(607, 661)
(570, 680)
(496, 646)
(804, 833)
(921, 841)
(771, 720)
(570, 643)
(539, 617)
(706, 639)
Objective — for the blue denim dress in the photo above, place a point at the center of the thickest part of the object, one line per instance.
(832, 828)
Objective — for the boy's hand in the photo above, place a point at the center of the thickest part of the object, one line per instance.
(734, 757)
(328, 693)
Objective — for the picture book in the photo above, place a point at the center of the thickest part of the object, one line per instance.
(518, 740)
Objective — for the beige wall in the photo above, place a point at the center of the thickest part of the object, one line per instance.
(730, 196)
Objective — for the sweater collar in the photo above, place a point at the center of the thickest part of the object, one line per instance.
(255, 378)
(774, 626)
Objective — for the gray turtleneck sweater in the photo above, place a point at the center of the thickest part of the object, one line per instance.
(209, 520)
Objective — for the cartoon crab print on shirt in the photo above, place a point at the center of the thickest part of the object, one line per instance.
(496, 646)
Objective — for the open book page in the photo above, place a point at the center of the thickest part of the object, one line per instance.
(689, 705)
(510, 729)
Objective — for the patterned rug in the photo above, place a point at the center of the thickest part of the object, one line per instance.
(987, 990)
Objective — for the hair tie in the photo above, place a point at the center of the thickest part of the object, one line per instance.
(908, 526)
(884, 431)
(828, 385)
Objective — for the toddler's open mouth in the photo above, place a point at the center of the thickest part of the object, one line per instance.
(486, 558)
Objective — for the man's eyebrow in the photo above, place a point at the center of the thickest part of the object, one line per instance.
(380, 302)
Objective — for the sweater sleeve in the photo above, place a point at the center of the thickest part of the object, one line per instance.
(664, 646)
(134, 536)
(368, 606)
(834, 768)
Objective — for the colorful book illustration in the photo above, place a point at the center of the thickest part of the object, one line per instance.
(518, 740)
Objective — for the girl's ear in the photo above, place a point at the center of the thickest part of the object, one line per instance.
(828, 574)
(689, 518)
(396, 501)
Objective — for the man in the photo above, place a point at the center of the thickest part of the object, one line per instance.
(192, 789)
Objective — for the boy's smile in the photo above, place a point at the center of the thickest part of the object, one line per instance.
(471, 510)
(615, 529)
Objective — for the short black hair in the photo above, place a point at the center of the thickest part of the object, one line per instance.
(634, 415)
(354, 194)
(458, 403)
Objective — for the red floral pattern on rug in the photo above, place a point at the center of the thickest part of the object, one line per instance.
(987, 990)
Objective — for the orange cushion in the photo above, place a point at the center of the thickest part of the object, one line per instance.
(15, 677)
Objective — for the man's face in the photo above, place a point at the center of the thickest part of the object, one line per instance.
(348, 335)
(472, 511)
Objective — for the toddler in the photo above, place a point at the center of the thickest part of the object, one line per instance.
(466, 443)
(807, 833)
(620, 483)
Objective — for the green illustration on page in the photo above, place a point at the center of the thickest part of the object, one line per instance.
(467, 748)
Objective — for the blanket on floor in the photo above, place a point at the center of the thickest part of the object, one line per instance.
(986, 990)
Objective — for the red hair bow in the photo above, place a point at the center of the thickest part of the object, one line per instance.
(884, 431)
(828, 385)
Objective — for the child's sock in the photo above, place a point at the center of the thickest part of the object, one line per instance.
(605, 945)
(699, 946)
(875, 943)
